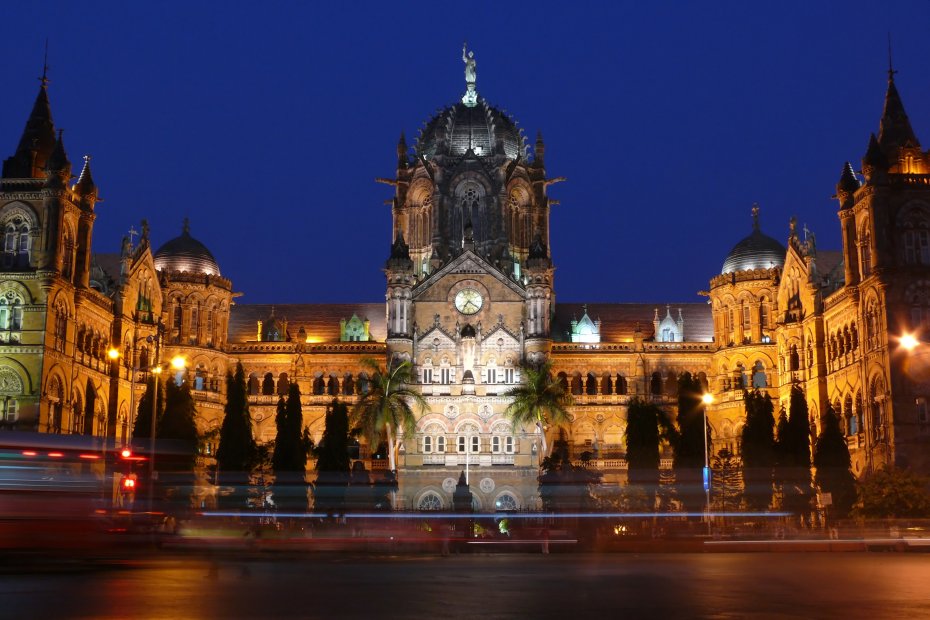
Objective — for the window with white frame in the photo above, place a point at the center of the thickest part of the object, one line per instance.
(427, 444)
(496, 444)
(440, 444)
(8, 407)
(446, 375)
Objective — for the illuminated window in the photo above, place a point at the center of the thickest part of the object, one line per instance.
(505, 501)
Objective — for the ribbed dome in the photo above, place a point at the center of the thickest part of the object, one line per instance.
(184, 253)
(757, 251)
(483, 128)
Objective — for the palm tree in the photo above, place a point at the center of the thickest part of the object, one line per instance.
(385, 411)
(539, 400)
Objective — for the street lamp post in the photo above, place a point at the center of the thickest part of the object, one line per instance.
(177, 363)
(706, 399)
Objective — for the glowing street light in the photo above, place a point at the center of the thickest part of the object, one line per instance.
(112, 353)
(908, 341)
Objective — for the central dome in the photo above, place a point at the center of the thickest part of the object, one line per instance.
(184, 253)
(482, 128)
(757, 251)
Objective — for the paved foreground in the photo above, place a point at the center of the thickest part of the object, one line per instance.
(720, 585)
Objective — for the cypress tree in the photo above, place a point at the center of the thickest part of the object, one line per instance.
(178, 440)
(142, 429)
(833, 466)
(332, 461)
(646, 426)
(758, 450)
(289, 460)
(689, 445)
(237, 452)
(794, 456)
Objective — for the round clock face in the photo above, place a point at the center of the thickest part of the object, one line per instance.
(468, 301)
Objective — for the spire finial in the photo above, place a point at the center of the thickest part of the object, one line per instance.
(755, 216)
(187, 226)
(891, 70)
(44, 78)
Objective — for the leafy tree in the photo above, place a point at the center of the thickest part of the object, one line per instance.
(794, 456)
(386, 411)
(538, 400)
(332, 461)
(237, 453)
(758, 450)
(893, 493)
(833, 466)
(289, 460)
(690, 446)
(646, 426)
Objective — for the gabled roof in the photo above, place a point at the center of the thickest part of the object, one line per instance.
(619, 321)
(321, 321)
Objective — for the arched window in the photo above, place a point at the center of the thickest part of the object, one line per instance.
(577, 387)
(865, 255)
(759, 379)
(852, 426)
(794, 360)
(17, 230)
(505, 501)
(621, 385)
(284, 384)
(430, 501)
(67, 262)
(254, 384)
(917, 246)
(268, 385)
(655, 385)
(195, 325)
(591, 384)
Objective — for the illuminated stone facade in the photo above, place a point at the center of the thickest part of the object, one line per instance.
(470, 298)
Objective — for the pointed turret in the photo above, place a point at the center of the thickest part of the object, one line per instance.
(895, 129)
(846, 186)
(37, 142)
(85, 186)
(540, 150)
(58, 167)
(874, 159)
(402, 152)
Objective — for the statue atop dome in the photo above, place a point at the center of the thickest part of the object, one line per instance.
(471, 76)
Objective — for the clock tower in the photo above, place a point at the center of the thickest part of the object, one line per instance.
(469, 299)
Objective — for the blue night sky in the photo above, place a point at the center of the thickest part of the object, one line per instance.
(268, 127)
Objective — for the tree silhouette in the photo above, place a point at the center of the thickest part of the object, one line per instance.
(834, 467)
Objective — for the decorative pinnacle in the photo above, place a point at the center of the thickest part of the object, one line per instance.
(755, 216)
(187, 226)
(891, 70)
(44, 78)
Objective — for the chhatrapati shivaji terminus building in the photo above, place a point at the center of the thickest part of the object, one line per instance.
(469, 299)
